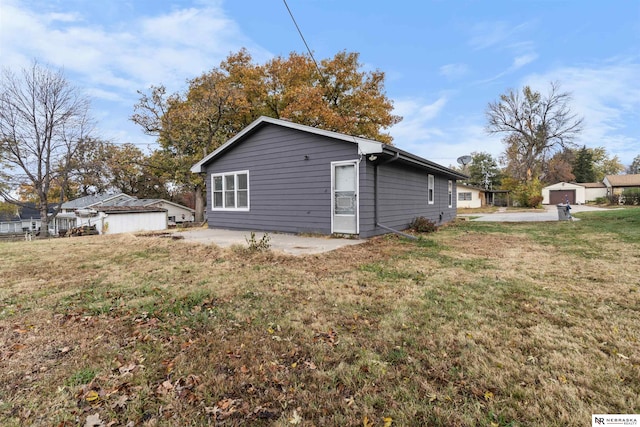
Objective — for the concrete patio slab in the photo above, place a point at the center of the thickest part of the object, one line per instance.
(289, 243)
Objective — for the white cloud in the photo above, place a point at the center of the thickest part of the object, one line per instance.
(454, 71)
(486, 35)
(424, 132)
(608, 97)
(113, 63)
(62, 17)
(416, 117)
(522, 60)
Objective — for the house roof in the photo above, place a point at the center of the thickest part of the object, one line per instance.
(9, 217)
(98, 201)
(365, 146)
(92, 200)
(128, 209)
(151, 202)
(471, 187)
(624, 180)
(592, 184)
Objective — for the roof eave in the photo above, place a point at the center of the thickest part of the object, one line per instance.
(423, 163)
(365, 146)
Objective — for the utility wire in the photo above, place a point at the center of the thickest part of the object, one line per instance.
(305, 42)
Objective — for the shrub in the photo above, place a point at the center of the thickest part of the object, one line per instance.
(421, 224)
(259, 245)
(601, 201)
(534, 201)
(631, 196)
(525, 194)
(614, 199)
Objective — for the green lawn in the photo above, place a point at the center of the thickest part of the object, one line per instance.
(531, 324)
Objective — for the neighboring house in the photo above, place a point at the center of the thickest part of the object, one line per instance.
(616, 184)
(594, 190)
(10, 222)
(24, 219)
(470, 197)
(122, 213)
(276, 175)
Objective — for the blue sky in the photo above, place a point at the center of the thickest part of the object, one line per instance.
(444, 60)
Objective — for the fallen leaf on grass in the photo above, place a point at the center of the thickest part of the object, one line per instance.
(330, 337)
(366, 422)
(92, 396)
(121, 403)
(94, 421)
(295, 418)
(224, 408)
(488, 396)
(387, 421)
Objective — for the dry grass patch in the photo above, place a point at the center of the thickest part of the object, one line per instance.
(473, 325)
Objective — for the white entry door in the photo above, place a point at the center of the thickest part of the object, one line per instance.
(344, 203)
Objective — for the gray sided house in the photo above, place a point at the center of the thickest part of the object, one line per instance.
(280, 176)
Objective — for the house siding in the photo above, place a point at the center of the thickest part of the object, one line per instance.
(290, 185)
(402, 196)
(287, 192)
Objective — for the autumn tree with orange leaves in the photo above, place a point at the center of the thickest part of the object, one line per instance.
(335, 95)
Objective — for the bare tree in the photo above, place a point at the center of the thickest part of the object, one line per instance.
(42, 120)
(535, 126)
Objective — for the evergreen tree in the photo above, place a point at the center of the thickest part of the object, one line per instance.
(583, 168)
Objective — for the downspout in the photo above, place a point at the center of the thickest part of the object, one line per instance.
(376, 199)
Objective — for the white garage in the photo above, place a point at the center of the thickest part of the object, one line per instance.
(125, 219)
(562, 192)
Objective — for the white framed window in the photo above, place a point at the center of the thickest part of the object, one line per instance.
(230, 191)
(430, 189)
(450, 187)
(464, 196)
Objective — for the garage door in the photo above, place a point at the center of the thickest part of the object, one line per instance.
(560, 196)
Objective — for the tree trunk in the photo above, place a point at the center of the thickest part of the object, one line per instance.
(199, 203)
(44, 221)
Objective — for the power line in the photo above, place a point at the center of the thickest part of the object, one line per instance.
(304, 41)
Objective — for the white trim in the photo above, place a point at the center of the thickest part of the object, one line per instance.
(356, 163)
(431, 189)
(235, 178)
(365, 145)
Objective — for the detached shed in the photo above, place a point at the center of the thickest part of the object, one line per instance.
(276, 175)
(124, 219)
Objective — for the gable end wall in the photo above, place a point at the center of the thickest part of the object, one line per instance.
(287, 192)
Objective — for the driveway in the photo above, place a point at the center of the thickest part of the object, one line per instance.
(288, 243)
(549, 213)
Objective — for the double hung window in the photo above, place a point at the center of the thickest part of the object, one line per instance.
(430, 189)
(230, 191)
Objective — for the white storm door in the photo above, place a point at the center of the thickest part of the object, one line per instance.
(344, 201)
